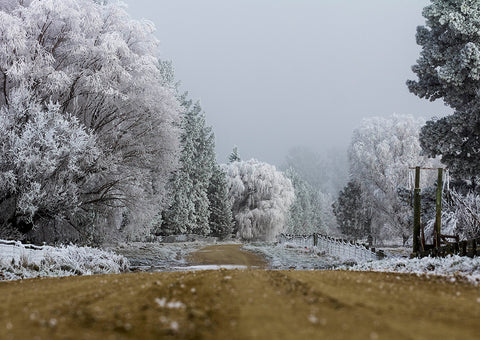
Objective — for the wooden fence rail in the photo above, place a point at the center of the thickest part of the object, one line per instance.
(337, 247)
(462, 248)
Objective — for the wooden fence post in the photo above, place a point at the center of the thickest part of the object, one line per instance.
(463, 248)
(416, 212)
(438, 217)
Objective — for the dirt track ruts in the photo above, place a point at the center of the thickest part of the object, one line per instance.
(240, 304)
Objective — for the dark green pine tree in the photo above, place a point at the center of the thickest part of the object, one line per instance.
(353, 217)
(221, 219)
(189, 210)
(447, 68)
(234, 156)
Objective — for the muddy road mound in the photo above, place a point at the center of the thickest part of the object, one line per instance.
(226, 254)
(240, 304)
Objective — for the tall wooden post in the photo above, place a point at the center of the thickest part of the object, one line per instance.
(438, 217)
(416, 212)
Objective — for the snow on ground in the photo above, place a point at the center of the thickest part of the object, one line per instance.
(455, 267)
(210, 267)
(18, 261)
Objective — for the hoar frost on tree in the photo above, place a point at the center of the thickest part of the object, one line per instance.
(234, 155)
(98, 68)
(380, 154)
(353, 214)
(221, 218)
(189, 210)
(317, 178)
(45, 163)
(307, 212)
(261, 197)
(449, 68)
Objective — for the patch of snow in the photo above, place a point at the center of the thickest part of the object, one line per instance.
(210, 267)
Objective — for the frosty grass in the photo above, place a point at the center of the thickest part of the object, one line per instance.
(19, 262)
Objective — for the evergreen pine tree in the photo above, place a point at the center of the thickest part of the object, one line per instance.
(353, 217)
(448, 68)
(306, 212)
(189, 209)
(221, 219)
(234, 156)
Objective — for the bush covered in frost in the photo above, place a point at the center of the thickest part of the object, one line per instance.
(19, 262)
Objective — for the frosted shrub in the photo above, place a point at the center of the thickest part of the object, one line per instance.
(18, 262)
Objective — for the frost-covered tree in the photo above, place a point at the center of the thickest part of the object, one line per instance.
(47, 157)
(220, 206)
(456, 139)
(449, 68)
(98, 66)
(380, 154)
(234, 155)
(449, 63)
(353, 215)
(261, 197)
(189, 210)
(305, 214)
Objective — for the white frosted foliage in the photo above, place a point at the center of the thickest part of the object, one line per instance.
(261, 197)
(380, 154)
(100, 69)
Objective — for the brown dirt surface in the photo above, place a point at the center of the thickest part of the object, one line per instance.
(226, 254)
(240, 304)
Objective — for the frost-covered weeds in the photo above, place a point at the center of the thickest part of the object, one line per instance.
(293, 256)
(451, 266)
(18, 262)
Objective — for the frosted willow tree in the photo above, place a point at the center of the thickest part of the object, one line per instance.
(449, 68)
(189, 210)
(99, 69)
(261, 197)
(380, 153)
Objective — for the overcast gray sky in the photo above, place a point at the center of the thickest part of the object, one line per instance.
(273, 74)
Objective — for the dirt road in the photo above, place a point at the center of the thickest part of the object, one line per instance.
(231, 254)
(240, 304)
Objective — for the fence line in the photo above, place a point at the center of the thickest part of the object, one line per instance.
(21, 245)
(336, 247)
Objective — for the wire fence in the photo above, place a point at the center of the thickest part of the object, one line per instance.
(343, 249)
